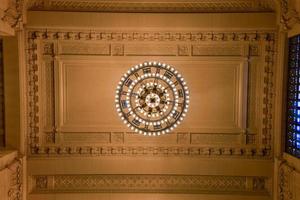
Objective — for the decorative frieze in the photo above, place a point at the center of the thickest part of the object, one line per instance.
(268, 94)
(15, 191)
(33, 109)
(105, 150)
(285, 180)
(11, 176)
(149, 183)
(154, 6)
(192, 36)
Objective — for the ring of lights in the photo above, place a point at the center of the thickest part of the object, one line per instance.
(152, 98)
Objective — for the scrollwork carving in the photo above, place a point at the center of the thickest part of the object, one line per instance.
(15, 187)
(288, 15)
(13, 13)
(285, 175)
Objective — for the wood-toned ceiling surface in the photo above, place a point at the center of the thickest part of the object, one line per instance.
(202, 6)
(77, 145)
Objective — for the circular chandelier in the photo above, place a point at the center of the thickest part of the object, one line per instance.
(152, 98)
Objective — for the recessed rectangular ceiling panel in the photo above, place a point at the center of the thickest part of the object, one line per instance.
(87, 91)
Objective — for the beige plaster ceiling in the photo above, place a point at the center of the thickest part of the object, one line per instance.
(154, 5)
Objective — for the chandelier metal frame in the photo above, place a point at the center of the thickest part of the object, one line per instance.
(152, 98)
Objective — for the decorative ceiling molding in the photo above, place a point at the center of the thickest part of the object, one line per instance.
(43, 45)
(11, 13)
(286, 185)
(11, 170)
(150, 183)
(169, 6)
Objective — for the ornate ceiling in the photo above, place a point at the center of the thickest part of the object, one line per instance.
(154, 5)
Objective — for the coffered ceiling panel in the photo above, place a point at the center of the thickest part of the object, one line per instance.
(78, 72)
(86, 103)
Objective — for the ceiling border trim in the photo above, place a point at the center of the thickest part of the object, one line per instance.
(154, 6)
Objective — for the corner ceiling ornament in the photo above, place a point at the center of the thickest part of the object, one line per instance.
(12, 14)
(152, 98)
(289, 16)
